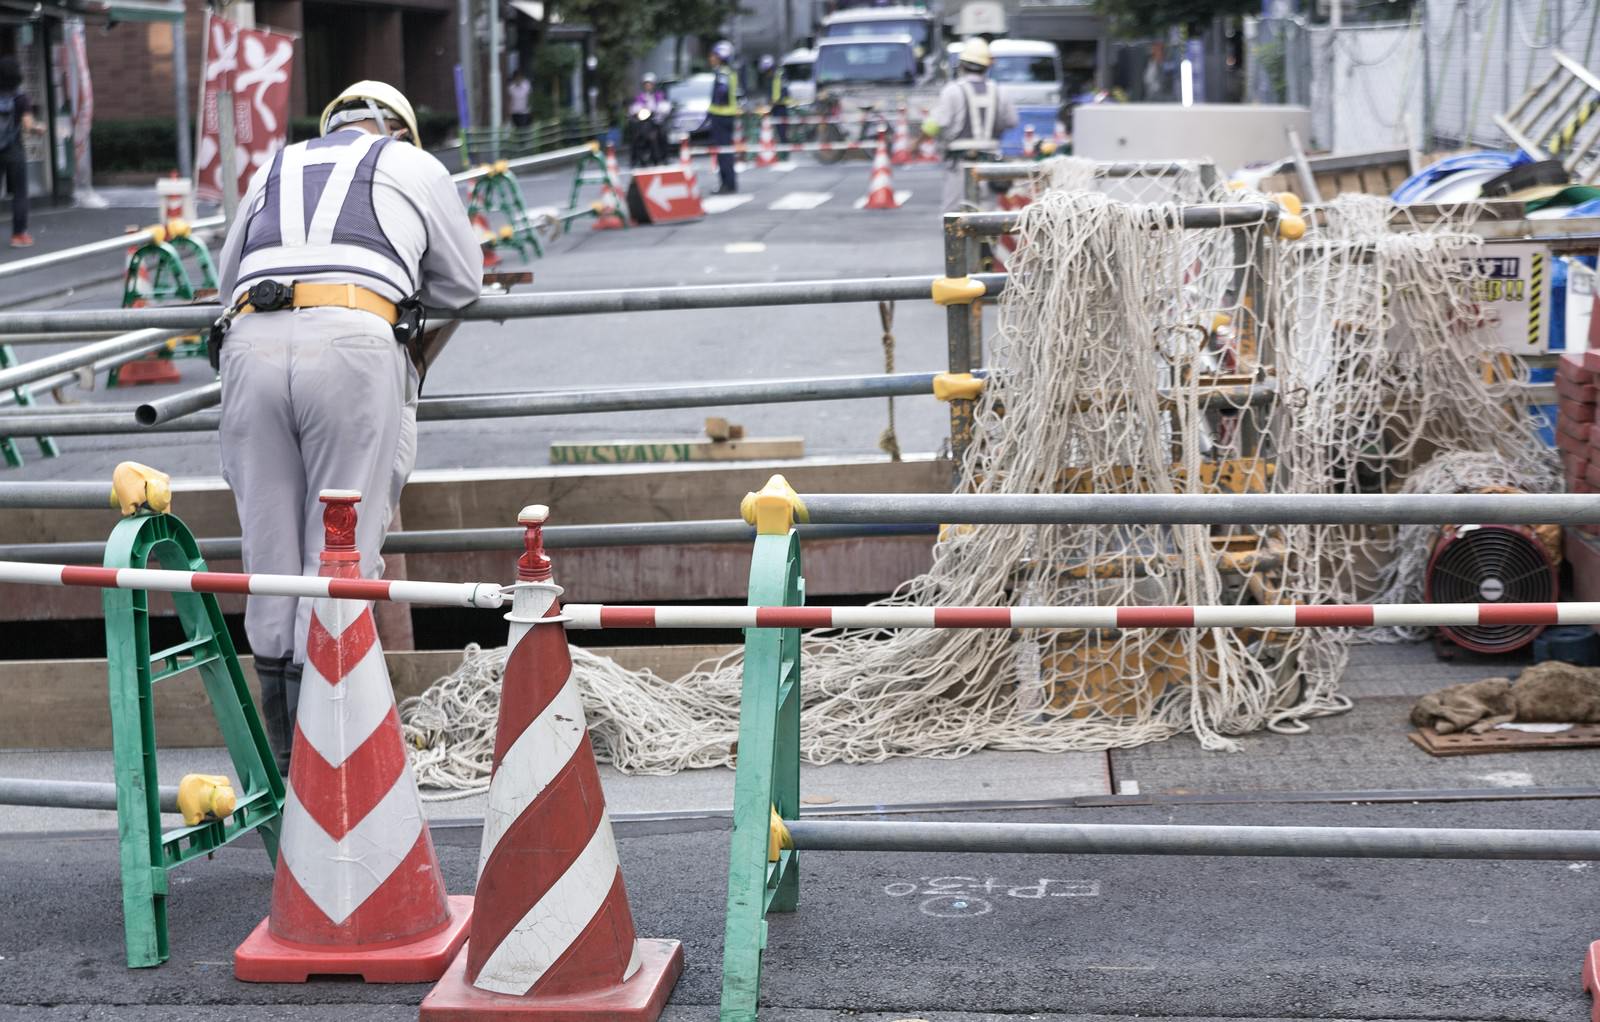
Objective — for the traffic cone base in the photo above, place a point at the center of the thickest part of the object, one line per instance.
(640, 999)
(263, 958)
(149, 369)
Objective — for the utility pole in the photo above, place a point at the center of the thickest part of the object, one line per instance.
(494, 76)
(180, 89)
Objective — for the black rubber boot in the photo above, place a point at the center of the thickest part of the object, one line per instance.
(275, 712)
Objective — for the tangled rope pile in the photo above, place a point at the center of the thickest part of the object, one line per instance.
(1108, 374)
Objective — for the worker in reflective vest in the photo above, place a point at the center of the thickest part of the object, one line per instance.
(777, 95)
(338, 244)
(970, 116)
(724, 110)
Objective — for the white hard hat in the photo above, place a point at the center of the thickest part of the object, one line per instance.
(976, 52)
(371, 101)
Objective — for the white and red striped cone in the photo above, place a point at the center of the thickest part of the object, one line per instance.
(609, 210)
(902, 138)
(767, 145)
(927, 145)
(553, 936)
(880, 188)
(1030, 144)
(358, 889)
(686, 161)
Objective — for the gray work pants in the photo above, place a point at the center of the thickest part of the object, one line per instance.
(312, 399)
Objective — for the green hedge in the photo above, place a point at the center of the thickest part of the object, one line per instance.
(150, 144)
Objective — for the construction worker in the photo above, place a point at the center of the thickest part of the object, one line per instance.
(724, 111)
(777, 94)
(338, 244)
(970, 116)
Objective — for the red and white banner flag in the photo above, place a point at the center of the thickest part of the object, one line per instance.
(253, 65)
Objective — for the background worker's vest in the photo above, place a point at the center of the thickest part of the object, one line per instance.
(730, 83)
(981, 112)
(318, 218)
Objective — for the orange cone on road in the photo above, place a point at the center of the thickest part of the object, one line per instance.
(609, 209)
(927, 147)
(553, 938)
(358, 889)
(902, 138)
(766, 147)
(687, 163)
(880, 190)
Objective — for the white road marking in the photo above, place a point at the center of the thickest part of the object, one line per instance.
(783, 168)
(900, 198)
(801, 200)
(723, 203)
(744, 247)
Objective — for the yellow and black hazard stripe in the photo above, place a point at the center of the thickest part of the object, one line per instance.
(1536, 301)
(1561, 141)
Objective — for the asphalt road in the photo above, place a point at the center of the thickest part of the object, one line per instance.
(750, 242)
(926, 935)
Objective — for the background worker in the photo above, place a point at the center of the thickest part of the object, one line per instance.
(16, 121)
(520, 95)
(724, 111)
(777, 94)
(970, 117)
(338, 240)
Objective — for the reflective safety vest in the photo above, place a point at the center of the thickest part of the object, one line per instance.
(982, 112)
(778, 86)
(317, 217)
(728, 83)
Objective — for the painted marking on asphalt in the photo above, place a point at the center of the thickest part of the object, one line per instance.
(801, 200)
(723, 203)
(743, 247)
(783, 168)
(955, 897)
(900, 199)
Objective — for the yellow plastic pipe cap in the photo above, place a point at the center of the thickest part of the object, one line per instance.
(774, 509)
(205, 797)
(133, 485)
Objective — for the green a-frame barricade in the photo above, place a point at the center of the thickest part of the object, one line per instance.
(148, 855)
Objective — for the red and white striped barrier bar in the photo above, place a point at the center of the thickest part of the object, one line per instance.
(746, 149)
(487, 595)
(1409, 615)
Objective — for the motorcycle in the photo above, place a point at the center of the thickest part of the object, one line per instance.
(649, 146)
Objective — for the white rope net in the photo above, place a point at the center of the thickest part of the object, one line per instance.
(1113, 370)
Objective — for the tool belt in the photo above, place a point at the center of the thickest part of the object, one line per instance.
(404, 318)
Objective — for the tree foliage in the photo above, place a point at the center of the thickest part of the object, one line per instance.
(1140, 19)
(625, 30)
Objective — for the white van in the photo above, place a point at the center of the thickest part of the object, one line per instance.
(1028, 71)
(798, 67)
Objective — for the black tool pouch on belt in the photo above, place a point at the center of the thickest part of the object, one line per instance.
(266, 296)
(408, 329)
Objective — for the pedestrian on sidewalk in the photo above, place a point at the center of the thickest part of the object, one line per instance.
(520, 93)
(16, 120)
(339, 243)
(970, 116)
(724, 111)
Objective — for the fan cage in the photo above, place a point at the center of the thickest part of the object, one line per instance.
(1490, 564)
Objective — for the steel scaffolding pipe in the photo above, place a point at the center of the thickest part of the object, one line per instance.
(537, 162)
(53, 338)
(500, 308)
(93, 248)
(134, 344)
(1230, 214)
(1016, 171)
(164, 409)
(51, 794)
(181, 412)
(1205, 509)
(56, 495)
(1174, 839)
(445, 541)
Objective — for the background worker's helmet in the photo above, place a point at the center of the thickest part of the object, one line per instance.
(975, 53)
(371, 101)
(766, 63)
(723, 51)
(648, 78)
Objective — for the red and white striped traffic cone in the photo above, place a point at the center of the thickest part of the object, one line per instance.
(686, 162)
(358, 889)
(927, 147)
(609, 209)
(553, 937)
(766, 146)
(880, 188)
(902, 138)
(1030, 144)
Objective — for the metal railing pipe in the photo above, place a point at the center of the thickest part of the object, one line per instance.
(568, 303)
(1175, 839)
(163, 409)
(447, 541)
(101, 420)
(1020, 169)
(52, 338)
(56, 495)
(1205, 508)
(133, 344)
(93, 248)
(536, 162)
(1228, 214)
(53, 794)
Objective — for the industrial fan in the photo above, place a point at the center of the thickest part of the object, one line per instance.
(1490, 564)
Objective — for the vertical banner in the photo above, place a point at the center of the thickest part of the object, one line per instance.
(253, 66)
(80, 93)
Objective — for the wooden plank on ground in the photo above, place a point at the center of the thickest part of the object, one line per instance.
(1578, 736)
(651, 451)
